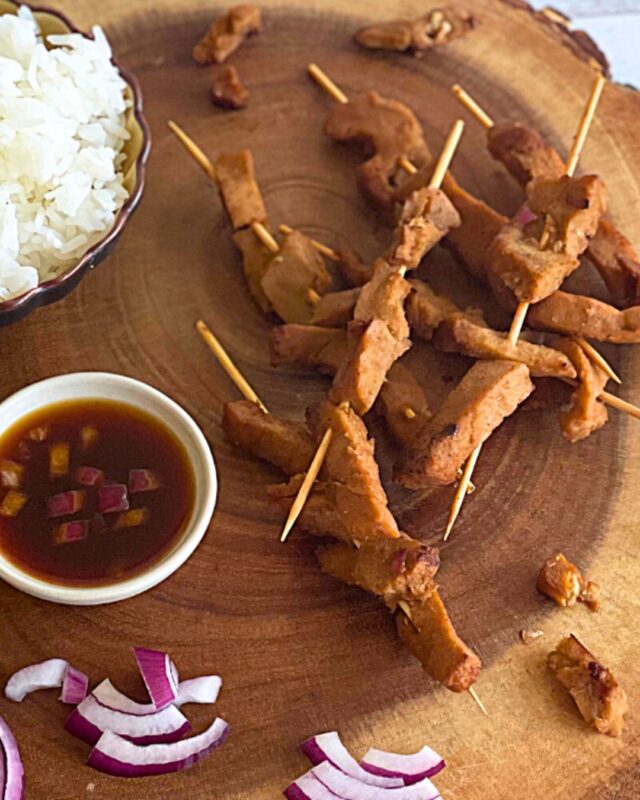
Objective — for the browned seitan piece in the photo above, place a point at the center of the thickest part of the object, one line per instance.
(488, 393)
(480, 225)
(294, 277)
(600, 699)
(355, 271)
(320, 515)
(392, 569)
(379, 335)
(227, 90)
(426, 309)
(286, 444)
(351, 467)
(308, 346)
(577, 315)
(525, 155)
(585, 413)
(335, 309)
(403, 404)
(255, 262)
(433, 640)
(562, 582)
(227, 33)
(241, 196)
(437, 27)
(459, 334)
(386, 128)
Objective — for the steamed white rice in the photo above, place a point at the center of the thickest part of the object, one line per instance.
(62, 114)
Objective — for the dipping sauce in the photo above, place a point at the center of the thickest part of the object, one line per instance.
(91, 492)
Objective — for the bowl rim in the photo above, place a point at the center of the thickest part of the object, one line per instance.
(198, 452)
(18, 307)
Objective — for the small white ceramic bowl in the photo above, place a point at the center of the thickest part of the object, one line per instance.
(108, 386)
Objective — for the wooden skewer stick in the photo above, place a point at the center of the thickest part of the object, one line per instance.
(321, 248)
(597, 358)
(208, 168)
(479, 702)
(439, 172)
(470, 104)
(227, 364)
(521, 310)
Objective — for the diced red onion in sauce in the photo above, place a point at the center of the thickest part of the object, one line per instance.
(142, 480)
(11, 474)
(89, 476)
(411, 768)
(90, 719)
(73, 531)
(117, 756)
(65, 503)
(159, 674)
(47, 674)
(329, 747)
(349, 788)
(74, 686)
(112, 497)
(11, 769)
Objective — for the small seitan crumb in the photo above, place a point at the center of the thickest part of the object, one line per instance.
(563, 582)
(227, 33)
(227, 90)
(601, 701)
(529, 635)
(438, 26)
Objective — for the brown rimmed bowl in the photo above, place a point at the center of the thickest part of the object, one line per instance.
(137, 152)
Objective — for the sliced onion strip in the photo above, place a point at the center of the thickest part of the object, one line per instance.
(308, 787)
(117, 756)
(159, 674)
(91, 719)
(411, 768)
(329, 747)
(204, 689)
(349, 788)
(45, 675)
(74, 686)
(11, 769)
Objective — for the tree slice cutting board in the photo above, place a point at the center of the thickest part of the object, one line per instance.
(300, 653)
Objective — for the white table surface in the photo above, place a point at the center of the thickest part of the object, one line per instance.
(614, 25)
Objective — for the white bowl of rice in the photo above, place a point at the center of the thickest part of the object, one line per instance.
(73, 146)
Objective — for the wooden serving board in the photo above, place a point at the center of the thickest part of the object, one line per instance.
(300, 653)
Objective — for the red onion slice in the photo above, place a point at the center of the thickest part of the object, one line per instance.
(11, 769)
(60, 505)
(159, 674)
(349, 788)
(74, 687)
(46, 675)
(525, 216)
(143, 480)
(74, 531)
(308, 787)
(109, 697)
(91, 719)
(117, 756)
(199, 690)
(411, 768)
(329, 747)
(112, 497)
(89, 476)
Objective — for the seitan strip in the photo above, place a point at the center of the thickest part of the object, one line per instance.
(577, 315)
(294, 277)
(614, 257)
(488, 393)
(255, 262)
(308, 346)
(438, 26)
(459, 334)
(426, 309)
(320, 516)
(523, 152)
(600, 699)
(286, 444)
(235, 174)
(403, 404)
(351, 467)
(392, 569)
(562, 582)
(389, 130)
(227, 90)
(227, 33)
(433, 640)
(354, 270)
(335, 309)
(585, 413)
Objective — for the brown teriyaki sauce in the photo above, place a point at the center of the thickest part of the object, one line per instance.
(114, 438)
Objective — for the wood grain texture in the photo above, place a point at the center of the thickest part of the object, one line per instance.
(298, 652)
